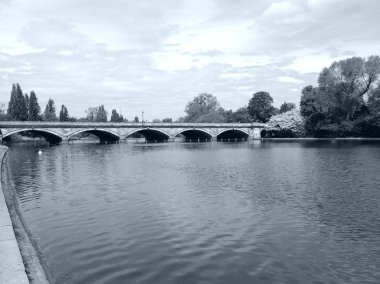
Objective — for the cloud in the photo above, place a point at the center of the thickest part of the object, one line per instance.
(288, 79)
(281, 9)
(237, 75)
(157, 55)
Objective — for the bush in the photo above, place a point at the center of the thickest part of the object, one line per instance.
(286, 125)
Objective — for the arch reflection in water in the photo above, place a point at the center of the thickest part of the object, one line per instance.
(233, 135)
(48, 134)
(195, 135)
(103, 135)
(151, 135)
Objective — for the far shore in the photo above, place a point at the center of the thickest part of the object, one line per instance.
(90, 140)
(326, 139)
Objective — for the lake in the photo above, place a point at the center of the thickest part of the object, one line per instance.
(250, 212)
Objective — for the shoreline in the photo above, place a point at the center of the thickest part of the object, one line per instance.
(32, 267)
(325, 139)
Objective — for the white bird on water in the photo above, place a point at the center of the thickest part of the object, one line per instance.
(39, 152)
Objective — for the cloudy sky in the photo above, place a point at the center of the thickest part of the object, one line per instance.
(157, 55)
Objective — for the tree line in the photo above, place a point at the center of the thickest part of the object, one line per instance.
(206, 108)
(203, 108)
(25, 107)
(345, 102)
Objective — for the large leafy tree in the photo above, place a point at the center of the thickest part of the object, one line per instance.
(34, 108)
(63, 114)
(310, 101)
(369, 125)
(101, 115)
(214, 116)
(373, 102)
(344, 84)
(3, 112)
(260, 107)
(91, 113)
(286, 107)
(240, 115)
(49, 113)
(312, 109)
(204, 108)
(337, 107)
(17, 108)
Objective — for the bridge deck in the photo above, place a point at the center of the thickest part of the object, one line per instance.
(44, 124)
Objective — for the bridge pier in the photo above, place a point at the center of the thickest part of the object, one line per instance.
(65, 140)
(256, 134)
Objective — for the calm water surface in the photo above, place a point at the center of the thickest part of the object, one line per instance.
(252, 212)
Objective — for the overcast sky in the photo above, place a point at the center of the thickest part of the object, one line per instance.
(158, 55)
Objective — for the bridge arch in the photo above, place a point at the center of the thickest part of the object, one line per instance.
(236, 134)
(102, 134)
(49, 135)
(151, 134)
(194, 134)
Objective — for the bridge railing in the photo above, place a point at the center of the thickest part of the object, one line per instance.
(64, 124)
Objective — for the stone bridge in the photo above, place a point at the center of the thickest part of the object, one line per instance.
(57, 132)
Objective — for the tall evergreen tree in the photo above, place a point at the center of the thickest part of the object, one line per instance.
(17, 109)
(49, 113)
(22, 109)
(12, 103)
(101, 115)
(63, 114)
(34, 107)
(27, 105)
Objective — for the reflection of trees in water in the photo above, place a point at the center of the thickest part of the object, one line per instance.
(22, 182)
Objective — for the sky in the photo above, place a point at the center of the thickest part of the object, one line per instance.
(156, 56)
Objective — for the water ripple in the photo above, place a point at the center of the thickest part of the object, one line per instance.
(204, 213)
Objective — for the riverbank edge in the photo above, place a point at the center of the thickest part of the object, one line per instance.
(34, 267)
(324, 139)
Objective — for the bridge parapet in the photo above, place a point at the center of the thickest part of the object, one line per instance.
(57, 124)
